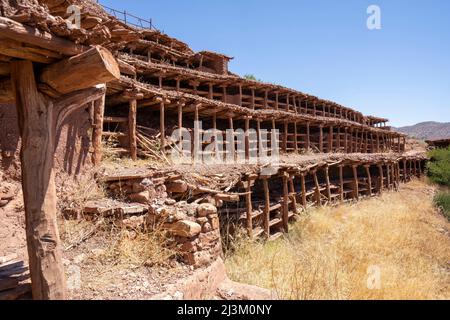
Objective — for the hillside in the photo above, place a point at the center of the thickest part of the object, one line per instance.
(428, 130)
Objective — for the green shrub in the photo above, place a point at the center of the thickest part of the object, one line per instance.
(442, 200)
(439, 166)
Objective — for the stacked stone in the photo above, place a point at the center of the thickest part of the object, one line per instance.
(194, 227)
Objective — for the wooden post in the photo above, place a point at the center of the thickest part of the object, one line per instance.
(321, 138)
(285, 140)
(132, 129)
(308, 137)
(295, 137)
(302, 176)
(247, 139)
(356, 181)
(253, 98)
(346, 141)
(210, 92)
(405, 174)
(39, 120)
(330, 140)
(293, 194)
(162, 126)
(99, 111)
(388, 176)
(248, 201)
(381, 173)
(317, 185)
(338, 140)
(180, 115)
(266, 207)
(369, 179)
(341, 182)
(233, 141)
(285, 203)
(197, 143)
(276, 101)
(240, 95)
(327, 177)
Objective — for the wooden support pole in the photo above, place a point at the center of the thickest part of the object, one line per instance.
(266, 207)
(276, 101)
(36, 116)
(210, 92)
(356, 181)
(285, 203)
(132, 115)
(197, 143)
(330, 140)
(338, 143)
(233, 140)
(240, 95)
(248, 202)
(327, 178)
(304, 203)
(381, 174)
(295, 137)
(308, 137)
(253, 99)
(39, 119)
(321, 138)
(405, 173)
(247, 139)
(369, 179)
(162, 125)
(293, 194)
(341, 183)
(180, 115)
(388, 175)
(317, 190)
(97, 133)
(285, 136)
(346, 141)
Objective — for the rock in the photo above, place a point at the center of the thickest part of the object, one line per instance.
(197, 259)
(190, 246)
(184, 228)
(229, 290)
(142, 197)
(202, 220)
(137, 187)
(206, 228)
(214, 221)
(3, 203)
(206, 209)
(146, 182)
(177, 186)
(134, 222)
(170, 202)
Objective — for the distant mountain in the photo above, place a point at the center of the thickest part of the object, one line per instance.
(427, 130)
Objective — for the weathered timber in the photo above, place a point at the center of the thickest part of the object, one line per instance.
(96, 65)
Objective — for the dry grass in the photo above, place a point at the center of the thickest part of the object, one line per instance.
(328, 253)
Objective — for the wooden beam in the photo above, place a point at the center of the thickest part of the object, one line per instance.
(97, 65)
(19, 32)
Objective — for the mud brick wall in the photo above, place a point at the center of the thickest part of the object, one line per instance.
(73, 143)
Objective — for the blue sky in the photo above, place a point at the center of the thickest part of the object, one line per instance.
(323, 47)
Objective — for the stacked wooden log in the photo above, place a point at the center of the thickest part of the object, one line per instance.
(14, 279)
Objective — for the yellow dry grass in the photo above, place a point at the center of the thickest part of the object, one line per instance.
(332, 253)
